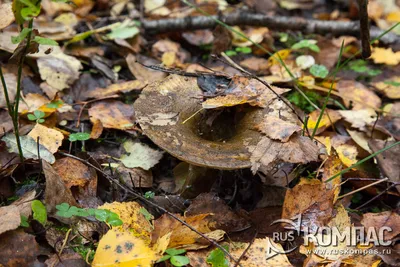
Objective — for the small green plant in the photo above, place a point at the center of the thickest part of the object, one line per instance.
(55, 104)
(109, 217)
(310, 44)
(319, 71)
(146, 214)
(149, 194)
(243, 50)
(175, 257)
(39, 211)
(24, 221)
(79, 137)
(37, 116)
(360, 66)
(217, 258)
(301, 102)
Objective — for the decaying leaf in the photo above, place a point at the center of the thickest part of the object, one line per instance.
(356, 96)
(113, 114)
(391, 87)
(359, 118)
(347, 154)
(29, 147)
(116, 88)
(142, 73)
(385, 56)
(379, 220)
(328, 119)
(313, 200)
(278, 129)
(49, 138)
(139, 177)
(11, 83)
(10, 218)
(6, 14)
(140, 155)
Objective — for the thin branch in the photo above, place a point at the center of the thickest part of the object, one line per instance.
(241, 18)
(364, 28)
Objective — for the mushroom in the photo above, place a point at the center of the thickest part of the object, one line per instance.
(163, 109)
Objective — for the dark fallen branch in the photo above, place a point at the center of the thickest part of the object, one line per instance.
(336, 28)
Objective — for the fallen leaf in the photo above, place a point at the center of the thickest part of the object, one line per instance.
(385, 56)
(390, 88)
(132, 217)
(29, 147)
(113, 114)
(347, 154)
(11, 83)
(97, 128)
(357, 96)
(56, 191)
(388, 160)
(332, 166)
(142, 73)
(262, 252)
(117, 88)
(359, 119)
(361, 139)
(328, 119)
(198, 37)
(10, 218)
(140, 155)
(18, 248)
(32, 102)
(118, 248)
(156, 7)
(382, 219)
(278, 129)
(255, 64)
(256, 35)
(76, 174)
(305, 61)
(390, 123)
(49, 138)
(6, 15)
(224, 217)
(313, 200)
(139, 177)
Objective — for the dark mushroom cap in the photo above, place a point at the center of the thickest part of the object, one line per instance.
(161, 110)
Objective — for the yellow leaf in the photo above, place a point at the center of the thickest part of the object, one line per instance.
(389, 87)
(168, 58)
(393, 16)
(122, 249)
(49, 138)
(328, 118)
(347, 154)
(385, 56)
(224, 101)
(281, 54)
(133, 219)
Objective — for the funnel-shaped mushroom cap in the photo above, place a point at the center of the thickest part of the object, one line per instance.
(162, 108)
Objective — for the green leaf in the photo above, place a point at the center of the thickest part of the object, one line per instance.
(44, 41)
(217, 258)
(310, 44)
(31, 117)
(21, 36)
(372, 72)
(123, 33)
(297, 99)
(244, 50)
(179, 260)
(55, 104)
(319, 71)
(230, 53)
(24, 221)
(39, 114)
(149, 194)
(80, 37)
(63, 207)
(39, 212)
(101, 215)
(146, 214)
(174, 251)
(393, 83)
(114, 220)
(79, 137)
(164, 258)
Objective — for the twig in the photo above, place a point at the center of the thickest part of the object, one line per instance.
(114, 181)
(377, 196)
(65, 241)
(336, 28)
(364, 28)
(362, 188)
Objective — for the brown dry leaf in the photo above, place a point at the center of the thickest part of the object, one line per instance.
(24, 203)
(182, 236)
(255, 64)
(332, 166)
(133, 219)
(142, 73)
(385, 56)
(359, 118)
(360, 139)
(278, 129)
(199, 37)
(76, 174)
(222, 40)
(388, 160)
(156, 7)
(117, 88)
(298, 149)
(347, 154)
(97, 128)
(66, 260)
(224, 101)
(6, 14)
(140, 177)
(280, 74)
(163, 46)
(56, 191)
(262, 253)
(389, 87)
(328, 119)
(390, 123)
(313, 200)
(256, 35)
(357, 96)
(224, 217)
(18, 249)
(10, 218)
(32, 102)
(49, 138)
(113, 114)
(379, 220)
